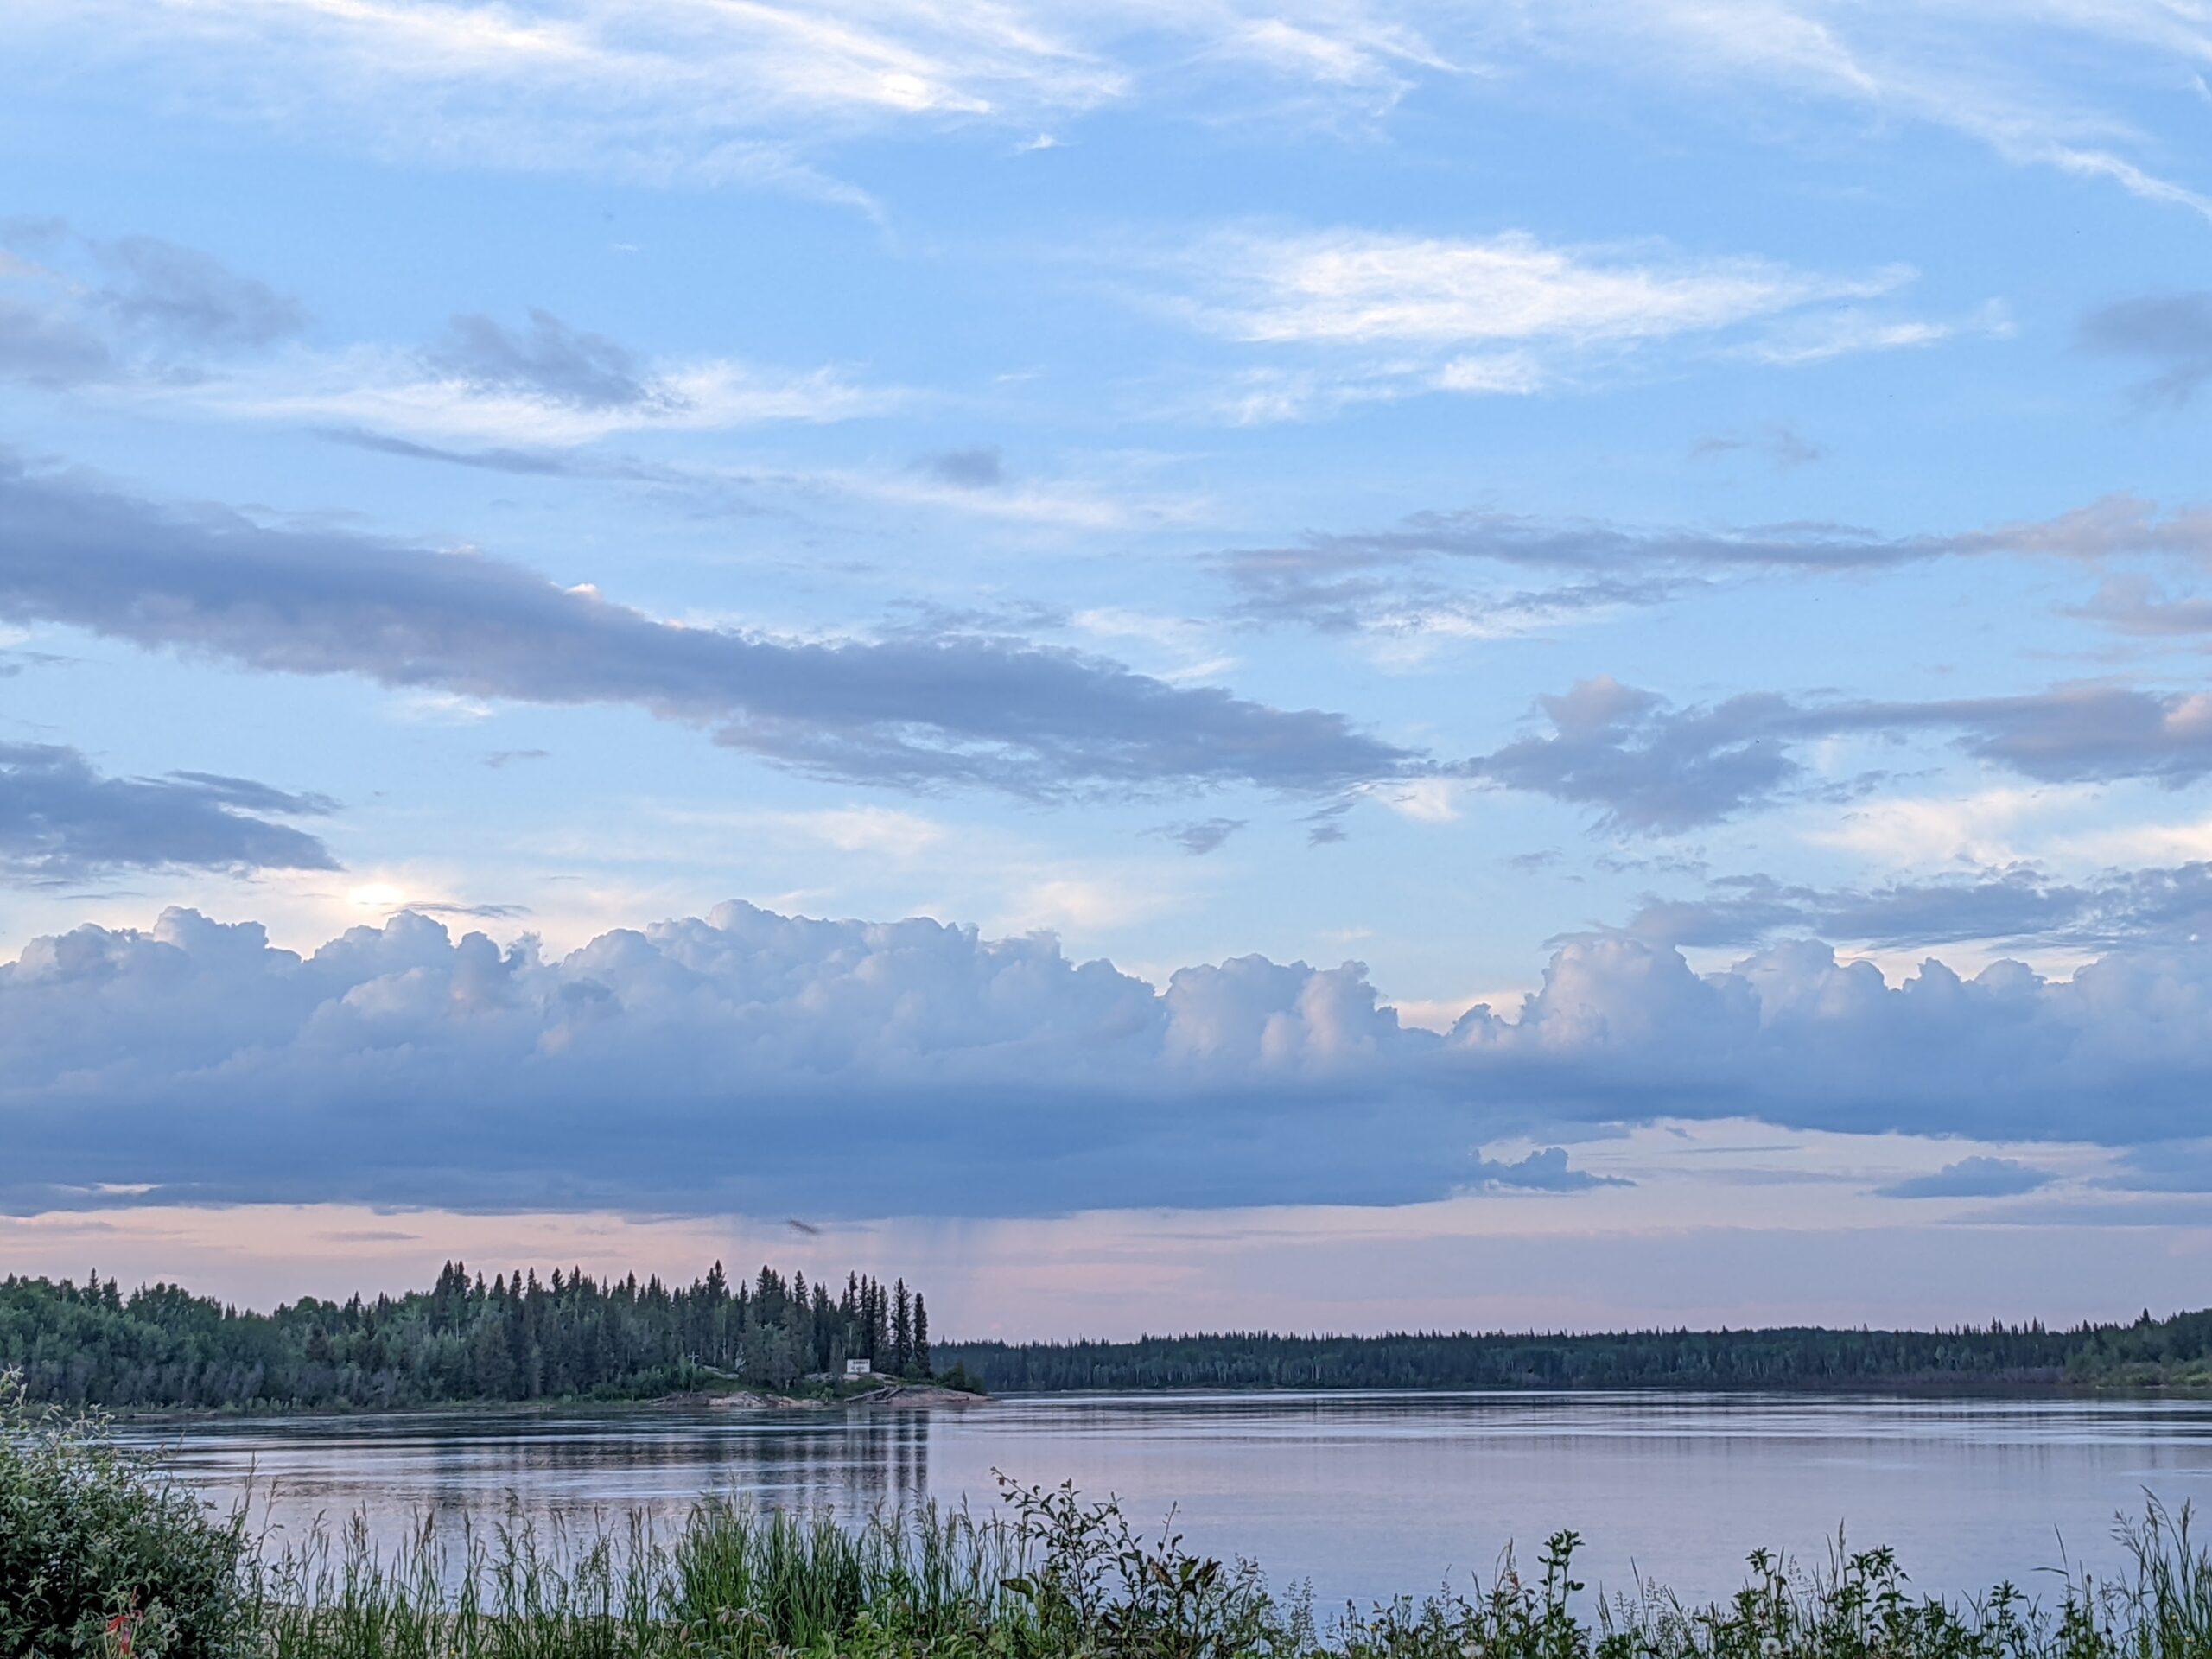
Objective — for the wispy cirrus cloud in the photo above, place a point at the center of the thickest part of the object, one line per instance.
(2041, 85)
(1373, 315)
(438, 397)
(714, 91)
(1409, 580)
(2018, 906)
(1362, 288)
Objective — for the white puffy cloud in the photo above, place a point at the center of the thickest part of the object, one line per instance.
(751, 1061)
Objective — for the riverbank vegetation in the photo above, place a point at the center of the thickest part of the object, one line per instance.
(100, 1555)
(516, 1339)
(2147, 1353)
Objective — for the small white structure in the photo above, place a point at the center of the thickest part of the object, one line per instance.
(859, 1368)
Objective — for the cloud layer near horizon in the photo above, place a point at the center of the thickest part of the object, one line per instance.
(753, 1062)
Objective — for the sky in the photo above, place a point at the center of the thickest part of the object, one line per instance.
(1337, 665)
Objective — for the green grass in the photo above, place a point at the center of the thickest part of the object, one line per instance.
(1053, 1575)
(101, 1554)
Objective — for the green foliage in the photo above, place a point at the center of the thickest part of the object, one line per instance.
(516, 1338)
(2173, 1353)
(1055, 1577)
(100, 1554)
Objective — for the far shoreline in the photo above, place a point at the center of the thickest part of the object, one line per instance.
(924, 1396)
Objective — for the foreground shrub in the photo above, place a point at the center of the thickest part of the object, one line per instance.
(101, 1554)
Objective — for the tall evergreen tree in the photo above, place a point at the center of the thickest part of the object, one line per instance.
(902, 1330)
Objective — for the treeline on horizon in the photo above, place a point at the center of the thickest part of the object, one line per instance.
(515, 1338)
(2148, 1353)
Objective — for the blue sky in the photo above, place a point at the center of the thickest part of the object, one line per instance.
(1372, 635)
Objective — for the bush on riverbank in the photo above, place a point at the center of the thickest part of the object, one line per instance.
(100, 1555)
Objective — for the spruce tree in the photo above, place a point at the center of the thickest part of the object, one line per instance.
(902, 1329)
(922, 1367)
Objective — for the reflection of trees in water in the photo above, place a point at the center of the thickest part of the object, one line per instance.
(575, 1475)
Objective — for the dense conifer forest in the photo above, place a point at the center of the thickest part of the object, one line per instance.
(2172, 1352)
(570, 1336)
(515, 1338)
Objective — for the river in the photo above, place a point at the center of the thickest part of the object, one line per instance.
(1365, 1495)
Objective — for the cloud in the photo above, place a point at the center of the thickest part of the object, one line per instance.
(1405, 580)
(1352, 287)
(733, 1062)
(129, 308)
(550, 386)
(2170, 332)
(549, 359)
(2019, 905)
(61, 820)
(687, 92)
(174, 325)
(1972, 1177)
(1544, 1170)
(189, 296)
(40, 349)
(1645, 766)
(979, 469)
(1780, 445)
(1965, 64)
(1203, 836)
(908, 710)
(1648, 766)
(1380, 315)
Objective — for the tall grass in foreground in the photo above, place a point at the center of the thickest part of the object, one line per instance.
(1056, 1576)
(102, 1554)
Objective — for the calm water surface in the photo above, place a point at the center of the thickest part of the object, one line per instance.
(1366, 1495)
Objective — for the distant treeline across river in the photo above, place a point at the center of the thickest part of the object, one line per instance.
(2174, 1352)
(519, 1338)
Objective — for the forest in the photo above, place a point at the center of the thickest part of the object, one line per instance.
(571, 1337)
(516, 1338)
(2175, 1353)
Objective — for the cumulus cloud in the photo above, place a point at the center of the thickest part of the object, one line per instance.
(906, 709)
(62, 820)
(1543, 1171)
(735, 1061)
(1972, 1177)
